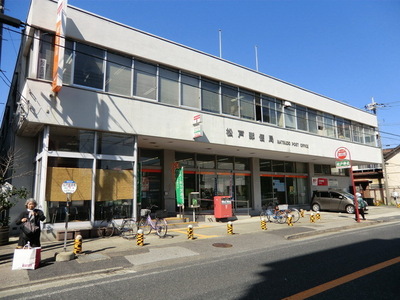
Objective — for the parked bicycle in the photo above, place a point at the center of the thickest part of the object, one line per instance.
(279, 213)
(127, 229)
(159, 224)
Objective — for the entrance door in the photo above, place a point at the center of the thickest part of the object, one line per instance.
(279, 189)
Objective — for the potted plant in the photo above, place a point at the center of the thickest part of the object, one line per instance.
(9, 196)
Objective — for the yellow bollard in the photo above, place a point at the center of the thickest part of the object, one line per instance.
(289, 220)
(302, 213)
(190, 232)
(263, 224)
(317, 216)
(78, 244)
(312, 218)
(140, 238)
(230, 227)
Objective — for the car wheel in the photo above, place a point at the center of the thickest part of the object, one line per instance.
(350, 209)
(316, 207)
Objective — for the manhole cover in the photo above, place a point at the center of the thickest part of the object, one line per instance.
(222, 245)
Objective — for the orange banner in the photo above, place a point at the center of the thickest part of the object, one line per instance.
(59, 44)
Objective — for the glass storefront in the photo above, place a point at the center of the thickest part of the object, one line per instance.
(113, 189)
(283, 189)
(103, 174)
(60, 169)
(102, 164)
(212, 175)
(150, 162)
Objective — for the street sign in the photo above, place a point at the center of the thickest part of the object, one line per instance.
(342, 164)
(69, 187)
(342, 153)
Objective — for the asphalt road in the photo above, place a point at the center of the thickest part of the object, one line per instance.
(362, 263)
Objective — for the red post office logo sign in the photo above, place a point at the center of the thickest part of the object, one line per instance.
(342, 153)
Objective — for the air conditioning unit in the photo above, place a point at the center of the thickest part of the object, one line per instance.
(42, 68)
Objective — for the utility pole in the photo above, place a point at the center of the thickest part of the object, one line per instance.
(373, 107)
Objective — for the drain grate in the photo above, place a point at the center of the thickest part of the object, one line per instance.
(222, 245)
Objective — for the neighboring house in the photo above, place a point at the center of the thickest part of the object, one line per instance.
(370, 180)
(392, 161)
(133, 107)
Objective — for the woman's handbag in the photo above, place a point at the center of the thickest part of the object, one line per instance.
(29, 228)
(26, 258)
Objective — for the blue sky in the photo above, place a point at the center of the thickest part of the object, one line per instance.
(347, 50)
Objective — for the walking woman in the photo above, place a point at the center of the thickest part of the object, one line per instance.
(29, 220)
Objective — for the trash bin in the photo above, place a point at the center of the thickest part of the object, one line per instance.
(222, 207)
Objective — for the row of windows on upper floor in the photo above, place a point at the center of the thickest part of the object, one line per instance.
(99, 69)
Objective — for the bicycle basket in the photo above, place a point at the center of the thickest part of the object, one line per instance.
(161, 214)
(145, 212)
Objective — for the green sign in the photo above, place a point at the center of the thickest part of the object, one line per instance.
(342, 164)
(179, 186)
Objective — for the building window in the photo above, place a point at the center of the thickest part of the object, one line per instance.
(301, 118)
(357, 133)
(148, 157)
(115, 144)
(369, 134)
(210, 95)
(321, 129)
(86, 66)
(68, 62)
(246, 104)
(205, 161)
(185, 159)
(322, 169)
(225, 162)
(271, 110)
(312, 121)
(290, 167)
(169, 86)
(119, 74)
(278, 166)
(265, 165)
(190, 92)
(46, 53)
(89, 70)
(71, 140)
(230, 104)
(343, 128)
(242, 163)
(114, 189)
(60, 169)
(145, 80)
(290, 117)
(151, 193)
(329, 121)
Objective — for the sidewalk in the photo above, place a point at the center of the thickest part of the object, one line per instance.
(101, 255)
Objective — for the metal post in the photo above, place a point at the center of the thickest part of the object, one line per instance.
(354, 193)
(66, 221)
(220, 43)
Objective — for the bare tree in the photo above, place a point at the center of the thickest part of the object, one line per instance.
(9, 195)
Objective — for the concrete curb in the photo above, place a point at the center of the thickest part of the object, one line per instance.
(330, 230)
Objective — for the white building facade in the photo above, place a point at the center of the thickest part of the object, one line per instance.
(134, 106)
